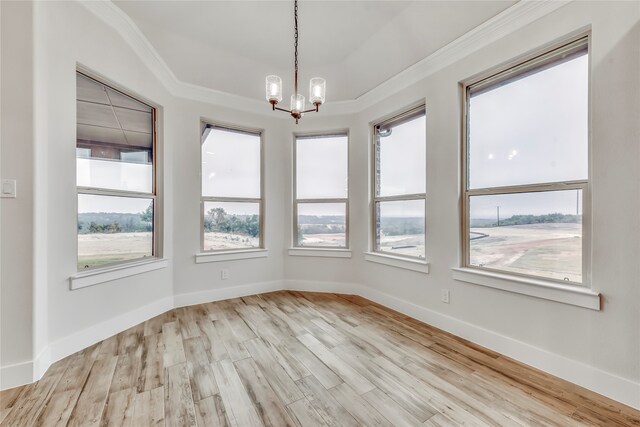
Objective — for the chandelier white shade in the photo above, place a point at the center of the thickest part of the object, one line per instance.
(317, 89)
(274, 89)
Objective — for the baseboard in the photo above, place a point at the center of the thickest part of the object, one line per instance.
(193, 298)
(605, 383)
(319, 286)
(16, 375)
(617, 388)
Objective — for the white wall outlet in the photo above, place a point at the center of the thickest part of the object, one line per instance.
(8, 188)
(444, 295)
(224, 274)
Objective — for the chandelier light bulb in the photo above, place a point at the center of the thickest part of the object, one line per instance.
(297, 103)
(274, 89)
(317, 88)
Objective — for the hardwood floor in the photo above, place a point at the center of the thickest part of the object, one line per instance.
(298, 359)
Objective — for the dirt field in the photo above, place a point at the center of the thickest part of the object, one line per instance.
(411, 245)
(548, 250)
(104, 248)
(215, 241)
(332, 240)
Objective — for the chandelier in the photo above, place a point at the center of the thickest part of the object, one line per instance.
(317, 85)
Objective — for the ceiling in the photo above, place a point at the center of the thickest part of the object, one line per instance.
(230, 46)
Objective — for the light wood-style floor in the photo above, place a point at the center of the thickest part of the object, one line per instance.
(293, 358)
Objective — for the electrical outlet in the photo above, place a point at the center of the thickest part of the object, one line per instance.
(444, 295)
(224, 274)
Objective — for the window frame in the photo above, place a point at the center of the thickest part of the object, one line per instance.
(204, 124)
(521, 66)
(296, 201)
(156, 246)
(395, 119)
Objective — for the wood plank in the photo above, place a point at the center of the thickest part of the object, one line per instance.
(211, 412)
(240, 410)
(361, 410)
(119, 409)
(203, 382)
(151, 374)
(267, 403)
(390, 409)
(148, 409)
(304, 415)
(178, 408)
(280, 381)
(326, 376)
(88, 410)
(172, 339)
(349, 375)
(331, 411)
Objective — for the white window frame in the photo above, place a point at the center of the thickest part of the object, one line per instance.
(204, 125)
(156, 247)
(375, 199)
(523, 65)
(296, 200)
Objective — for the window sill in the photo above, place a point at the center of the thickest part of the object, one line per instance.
(84, 279)
(567, 294)
(321, 252)
(399, 262)
(230, 255)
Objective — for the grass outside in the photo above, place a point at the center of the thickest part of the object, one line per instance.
(98, 249)
(548, 250)
(216, 241)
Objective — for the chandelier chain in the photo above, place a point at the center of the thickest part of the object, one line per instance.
(295, 45)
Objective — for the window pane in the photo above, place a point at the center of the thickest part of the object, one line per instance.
(114, 139)
(531, 130)
(321, 167)
(529, 233)
(400, 228)
(230, 225)
(113, 229)
(114, 175)
(401, 158)
(322, 224)
(230, 164)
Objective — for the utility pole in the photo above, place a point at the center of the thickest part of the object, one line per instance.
(498, 209)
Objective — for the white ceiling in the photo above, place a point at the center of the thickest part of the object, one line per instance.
(231, 46)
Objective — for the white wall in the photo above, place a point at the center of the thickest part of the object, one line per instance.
(17, 151)
(38, 144)
(204, 279)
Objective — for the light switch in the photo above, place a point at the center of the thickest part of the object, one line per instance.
(8, 188)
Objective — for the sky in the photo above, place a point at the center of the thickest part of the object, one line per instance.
(532, 130)
(93, 203)
(321, 167)
(222, 174)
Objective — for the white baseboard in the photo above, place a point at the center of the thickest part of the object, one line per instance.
(615, 387)
(193, 298)
(318, 286)
(16, 375)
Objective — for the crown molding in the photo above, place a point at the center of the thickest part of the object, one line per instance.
(517, 16)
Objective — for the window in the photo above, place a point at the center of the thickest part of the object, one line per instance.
(231, 203)
(527, 167)
(399, 196)
(115, 173)
(321, 191)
